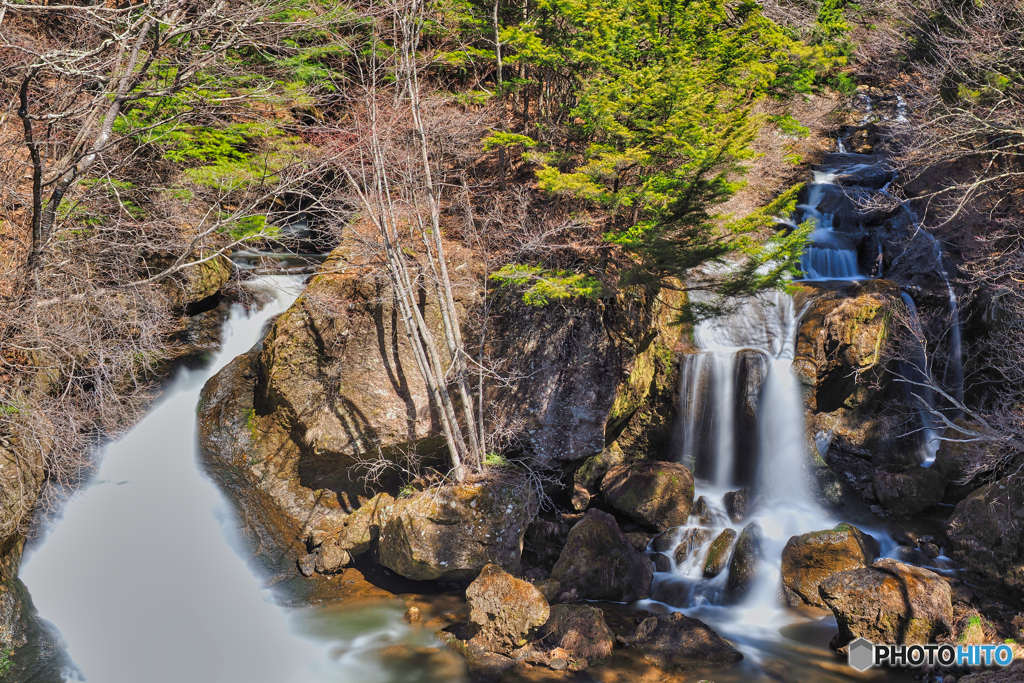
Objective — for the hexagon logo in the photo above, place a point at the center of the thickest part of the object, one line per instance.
(862, 654)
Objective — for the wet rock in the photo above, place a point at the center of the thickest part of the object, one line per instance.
(703, 511)
(674, 592)
(503, 610)
(874, 176)
(929, 549)
(452, 532)
(307, 564)
(809, 559)
(907, 491)
(662, 563)
(331, 558)
(888, 602)
(746, 560)
(718, 554)
(679, 642)
(666, 541)
(689, 541)
(986, 531)
(655, 494)
(580, 630)
(600, 564)
(736, 503)
(413, 615)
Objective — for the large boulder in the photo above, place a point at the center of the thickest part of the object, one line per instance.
(291, 429)
(600, 564)
(888, 602)
(809, 559)
(453, 531)
(906, 491)
(656, 494)
(579, 630)
(841, 345)
(986, 531)
(679, 642)
(503, 610)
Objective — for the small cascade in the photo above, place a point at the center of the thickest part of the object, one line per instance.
(917, 389)
(828, 255)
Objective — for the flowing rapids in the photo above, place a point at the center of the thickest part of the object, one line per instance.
(140, 576)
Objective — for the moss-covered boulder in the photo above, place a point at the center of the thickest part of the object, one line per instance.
(745, 561)
(718, 554)
(503, 610)
(809, 559)
(453, 531)
(656, 494)
(986, 532)
(841, 345)
(888, 602)
(906, 491)
(599, 563)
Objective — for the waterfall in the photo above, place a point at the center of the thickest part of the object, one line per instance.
(137, 574)
(917, 389)
(828, 255)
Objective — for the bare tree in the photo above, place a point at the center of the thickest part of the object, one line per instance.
(395, 172)
(102, 238)
(960, 158)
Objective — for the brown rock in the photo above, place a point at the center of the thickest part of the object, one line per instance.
(736, 503)
(689, 541)
(503, 610)
(702, 510)
(452, 532)
(809, 559)
(580, 630)
(908, 491)
(986, 531)
(600, 564)
(332, 558)
(888, 602)
(679, 642)
(656, 494)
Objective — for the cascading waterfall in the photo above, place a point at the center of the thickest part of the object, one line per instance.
(766, 325)
(139, 574)
(828, 255)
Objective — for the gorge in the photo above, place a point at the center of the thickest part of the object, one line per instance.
(588, 341)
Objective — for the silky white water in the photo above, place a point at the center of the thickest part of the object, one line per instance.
(139, 574)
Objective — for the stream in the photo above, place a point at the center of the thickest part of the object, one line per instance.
(141, 573)
(143, 576)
